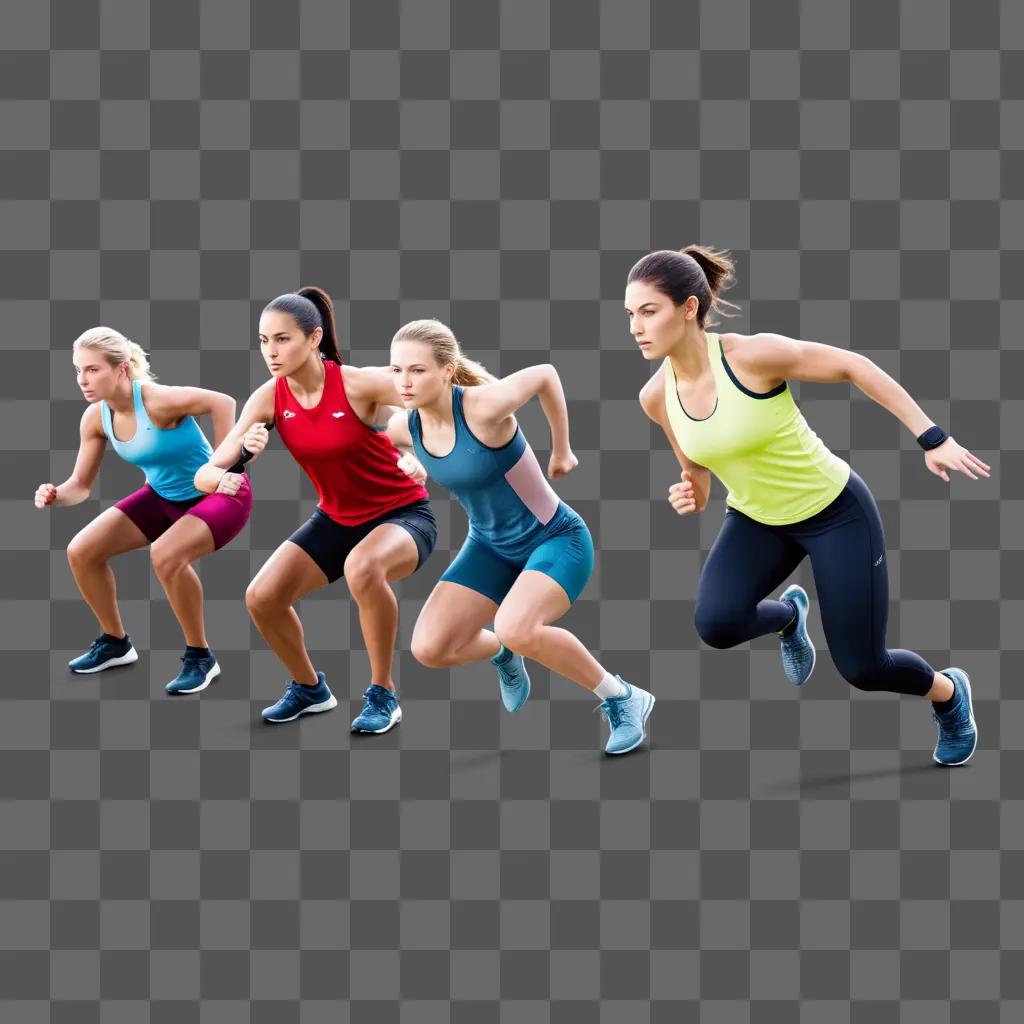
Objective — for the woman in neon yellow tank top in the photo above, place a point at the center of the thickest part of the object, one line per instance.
(726, 408)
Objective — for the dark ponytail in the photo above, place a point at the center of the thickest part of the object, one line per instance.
(695, 270)
(311, 307)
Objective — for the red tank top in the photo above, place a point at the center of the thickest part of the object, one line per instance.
(353, 466)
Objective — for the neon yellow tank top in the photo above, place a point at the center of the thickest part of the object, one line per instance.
(776, 469)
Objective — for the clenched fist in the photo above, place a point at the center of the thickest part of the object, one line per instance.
(46, 494)
(683, 496)
(229, 483)
(412, 467)
(256, 438)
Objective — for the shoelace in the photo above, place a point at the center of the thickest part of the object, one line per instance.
(612, 710)
(373, 700)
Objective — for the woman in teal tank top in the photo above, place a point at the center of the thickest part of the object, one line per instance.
(151, 426)
(726, 408)
(528, 555)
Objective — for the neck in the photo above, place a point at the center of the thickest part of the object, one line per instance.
(309, 378)
(690, 357)
(123, 398)
(439, 412)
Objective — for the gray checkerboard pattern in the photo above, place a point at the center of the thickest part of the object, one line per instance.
(775, 856)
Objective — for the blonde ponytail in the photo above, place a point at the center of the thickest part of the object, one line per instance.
(116, 349)
(445, 346)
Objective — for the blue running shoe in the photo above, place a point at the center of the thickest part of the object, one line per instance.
(195, 675)
(514, 683)
(301, 700)
(798, 654)
(380, 710)
(958, 732)
(106, 652)
(627, 716)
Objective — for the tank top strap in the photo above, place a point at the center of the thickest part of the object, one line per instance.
(106, 421)
(141, 416)
(458, 413)
(412, 419)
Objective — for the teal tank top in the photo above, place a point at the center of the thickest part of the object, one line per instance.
(510, 505)
(169, 458)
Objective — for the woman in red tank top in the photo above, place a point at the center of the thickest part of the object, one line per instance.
(373, 523)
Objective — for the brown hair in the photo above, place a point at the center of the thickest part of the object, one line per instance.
(310, 308)
(695, 270)
(445, 346)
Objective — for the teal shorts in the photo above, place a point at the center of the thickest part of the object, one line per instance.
(567, 557)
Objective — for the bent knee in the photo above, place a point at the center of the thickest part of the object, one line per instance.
(166, 559)
(81, 553)
(860, 675)
(261, 599)
(429, 653)
(717, 630)
(362, 573)
(517, 634)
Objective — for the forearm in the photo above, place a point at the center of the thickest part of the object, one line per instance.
(552, 402)
(890, 395)
(71, 492)
(208, 477)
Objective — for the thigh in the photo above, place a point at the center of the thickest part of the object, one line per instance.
(419, 522)
(110, 533)
(567, 558)
(225, 515)
(188, 539)
(534, 600)
(747, 562)
(453, 614)
(326, 543)
(389, 546)
(288, 575)
(478, 568)
(848, 557)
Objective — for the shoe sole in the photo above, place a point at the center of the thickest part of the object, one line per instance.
(802, 623)
(643, 730)
(324, 705)
(970, 697)
(395, 719)
(124, 659)
(211, 675)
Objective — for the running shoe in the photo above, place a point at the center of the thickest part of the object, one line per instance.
(627, 716)
(195, 675)
(513, 682)
(380, 710)
(798, 654)
(106, 652)
(958, 732)
(301, 700)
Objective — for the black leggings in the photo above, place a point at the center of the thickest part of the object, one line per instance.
(847, 547)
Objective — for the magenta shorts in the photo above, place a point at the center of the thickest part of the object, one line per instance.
(224, 514)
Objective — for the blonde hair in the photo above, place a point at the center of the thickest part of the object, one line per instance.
(117, 349)
(445, 346)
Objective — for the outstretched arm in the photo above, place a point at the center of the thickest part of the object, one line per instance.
(90, 454)
(788, 359)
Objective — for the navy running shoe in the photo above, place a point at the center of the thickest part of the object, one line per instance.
(301, 700)
(513, 682)
(798, 654)
(627, 716)
(958, 732)
(195, 675)
(380, 710)
(106, 652)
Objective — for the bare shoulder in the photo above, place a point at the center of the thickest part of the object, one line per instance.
(739, 346)
(652, 397)
(364, 381)
(92, 421)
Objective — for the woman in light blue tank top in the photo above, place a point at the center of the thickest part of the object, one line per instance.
(528, 555)
(153, 427)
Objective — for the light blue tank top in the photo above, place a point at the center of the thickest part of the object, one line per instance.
(169, 458)
(511, 506)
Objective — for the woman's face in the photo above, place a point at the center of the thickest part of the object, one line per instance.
(95, 376)
(655, 321)
(283, 346)
(418, 378)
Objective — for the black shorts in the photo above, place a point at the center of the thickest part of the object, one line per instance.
(328, 543)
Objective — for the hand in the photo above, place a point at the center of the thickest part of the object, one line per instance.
(256, 438)
(46, 494)
(682, 496)
(229, 483)
(559, 465)
(412, 467)
(949, 455)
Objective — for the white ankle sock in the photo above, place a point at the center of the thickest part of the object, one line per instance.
(610, 686)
